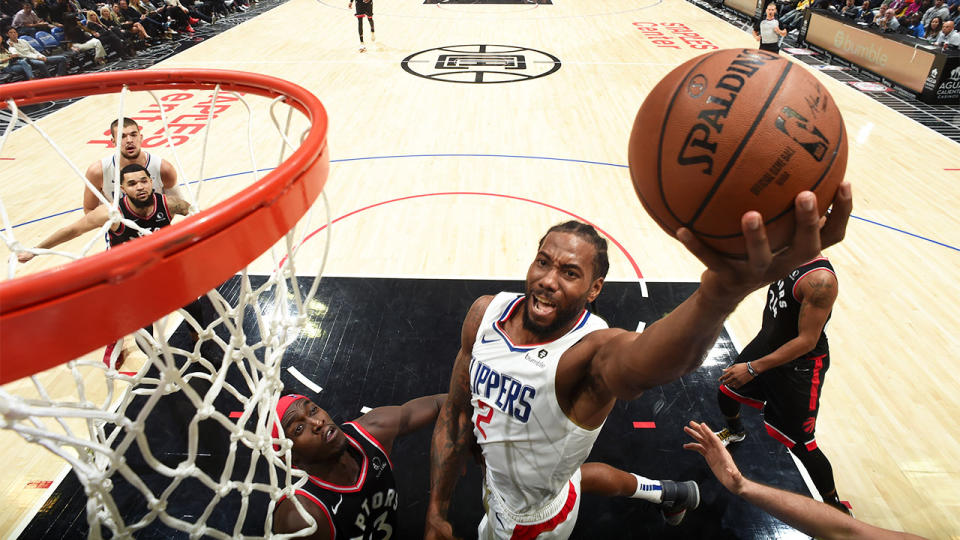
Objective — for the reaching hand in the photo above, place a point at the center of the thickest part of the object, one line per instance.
(24, 256)
(731, 280)
(718, 458)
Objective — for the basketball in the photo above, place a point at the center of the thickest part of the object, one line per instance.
(730, 131)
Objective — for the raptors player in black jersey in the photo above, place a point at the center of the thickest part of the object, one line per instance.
(364, 9)
(139, 204)
(351, 492)
(149, 210)
(781, 372)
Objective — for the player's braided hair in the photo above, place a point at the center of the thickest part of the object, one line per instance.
(600, 262)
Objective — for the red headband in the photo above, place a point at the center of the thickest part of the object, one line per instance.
(282, 406)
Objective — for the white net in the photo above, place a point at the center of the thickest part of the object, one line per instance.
(172, 426)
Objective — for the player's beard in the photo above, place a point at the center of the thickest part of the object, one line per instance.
(564, 316)
(141, 204)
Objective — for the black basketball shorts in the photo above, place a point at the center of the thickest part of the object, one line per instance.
(787, 395)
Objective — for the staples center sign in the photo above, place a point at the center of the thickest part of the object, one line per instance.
(672, 35)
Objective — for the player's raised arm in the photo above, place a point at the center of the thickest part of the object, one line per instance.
(388, 423)
(453, 435)
(630, 363)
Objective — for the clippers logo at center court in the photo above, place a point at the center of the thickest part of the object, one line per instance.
(501, 391)
(480, 64)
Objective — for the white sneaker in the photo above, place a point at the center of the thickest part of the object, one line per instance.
(363, 48)
(728, 437)
(373, 37)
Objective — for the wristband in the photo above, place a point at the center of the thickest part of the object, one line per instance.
(751, 371)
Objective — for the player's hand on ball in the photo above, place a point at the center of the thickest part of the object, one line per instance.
(730, 280)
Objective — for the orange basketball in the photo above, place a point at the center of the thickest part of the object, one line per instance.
(731, 131)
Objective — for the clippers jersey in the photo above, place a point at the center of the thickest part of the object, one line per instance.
(530, 447)
(159, 218)
(782, 312)
(368, 509)
(109, 167)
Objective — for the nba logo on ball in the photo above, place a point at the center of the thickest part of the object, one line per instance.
(731, 131)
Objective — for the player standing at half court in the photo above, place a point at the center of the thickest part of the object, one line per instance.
(364, 9)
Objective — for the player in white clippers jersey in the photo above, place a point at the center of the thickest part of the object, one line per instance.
(103, 173)
(500, 400)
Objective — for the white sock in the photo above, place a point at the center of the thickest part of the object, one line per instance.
(648, 490)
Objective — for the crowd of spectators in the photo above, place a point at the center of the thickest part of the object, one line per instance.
(44, 38)
(932, 20)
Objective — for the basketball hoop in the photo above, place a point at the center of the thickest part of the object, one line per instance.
(35, 307)
(52, 317)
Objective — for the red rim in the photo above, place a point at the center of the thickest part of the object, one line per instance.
(53, 316)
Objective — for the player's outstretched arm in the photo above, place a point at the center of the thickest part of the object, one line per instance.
(812, 517)
(453, 436)
(629, 363)
(388, 423)
(89, 222)
(818, 292)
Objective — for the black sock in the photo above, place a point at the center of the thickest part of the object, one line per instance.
(371, 24)
(731, 411)
(360, 27)
(820, 472)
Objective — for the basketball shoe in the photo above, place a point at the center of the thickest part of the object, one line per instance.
(678, 497)
(728, 437)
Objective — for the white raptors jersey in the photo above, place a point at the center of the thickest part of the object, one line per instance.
(530, 447)
(108, 164)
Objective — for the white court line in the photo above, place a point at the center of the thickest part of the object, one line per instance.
(302, 378)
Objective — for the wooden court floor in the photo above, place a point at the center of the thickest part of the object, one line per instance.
(462, 179)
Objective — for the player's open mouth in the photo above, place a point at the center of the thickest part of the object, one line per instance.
(330, 434)
(541, 306)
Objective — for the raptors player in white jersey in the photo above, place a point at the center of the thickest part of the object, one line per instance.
(103, 172)
(536, 432)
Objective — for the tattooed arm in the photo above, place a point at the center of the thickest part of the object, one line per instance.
(453, 435)
(817, 292)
